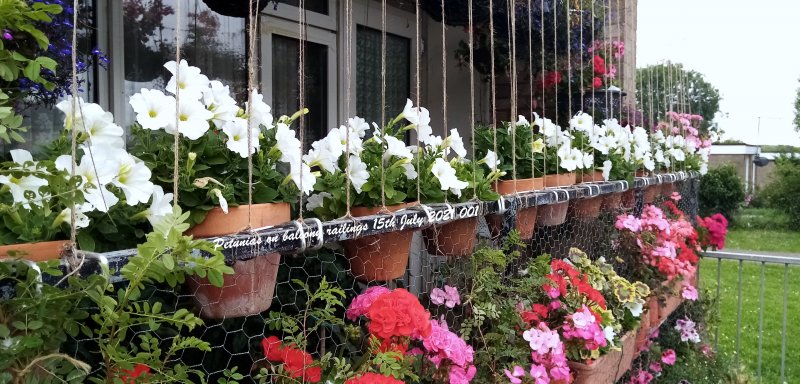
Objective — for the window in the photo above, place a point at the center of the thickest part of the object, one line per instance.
(214, 43)
(369, 80)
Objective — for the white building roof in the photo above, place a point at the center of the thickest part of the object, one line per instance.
(735, 149)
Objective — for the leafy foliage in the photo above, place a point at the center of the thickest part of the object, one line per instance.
(782, 192)
(796, 120)
(721, 191)
(17, 62)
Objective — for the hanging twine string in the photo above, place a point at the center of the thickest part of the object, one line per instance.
(418, 84)
(569, 61)
(301, 75)
(348, 57)
(383, 96)
(73, 136)
(530, 80)
(512, 36)
(251, 86)
(544, 107)
(471, 94)
(176, 143)
(444, 77)
(555, 68)
(493, 84)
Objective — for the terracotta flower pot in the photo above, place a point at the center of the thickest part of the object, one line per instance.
(672, 301)
(36, 252)
(590, 177)
(612, 201)
(379, 257)
(454, 239)
(249, 290)
(609, 367)
(651, 193)
(526, 218)
(555, 214)
(667, 189)
(652, 311)
(628, 200)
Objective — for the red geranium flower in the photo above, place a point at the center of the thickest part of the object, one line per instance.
(298, 363)
(374, 378)
(272, 348)
(398, 313)
(597, 82)
(130, 375)
(599, 65)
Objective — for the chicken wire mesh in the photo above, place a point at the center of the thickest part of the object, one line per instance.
(237, 321)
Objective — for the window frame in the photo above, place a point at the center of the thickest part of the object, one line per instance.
(276, 26)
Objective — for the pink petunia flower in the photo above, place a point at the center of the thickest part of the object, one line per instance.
(668, 357)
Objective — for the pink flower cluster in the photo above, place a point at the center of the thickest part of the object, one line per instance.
(444, 346)
(616, 47)
(448, 296)
(716, 227)
(687, 329)
(583, 326)
(684, 126)
(547, 353)
(666, 244)
(362, 302)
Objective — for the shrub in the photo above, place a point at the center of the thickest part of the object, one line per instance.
(784, 189)
(721, 191)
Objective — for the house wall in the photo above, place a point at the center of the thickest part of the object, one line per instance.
(751, 175)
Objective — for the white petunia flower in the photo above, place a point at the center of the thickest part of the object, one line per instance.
(491, 160)
(259, 112)
(160, 206)
(95, 176)
(420, 118)
(18, 187)
(397, 148)
(223, 204)
(456, 143)
(65, 216)
(409, 171)
(288, 144)
(446, 174)
(316, 200)
(522, 121)
(71, 117)
(321, 159)
(582, 122)
(236, 131)
(218, 100)
(570, 158)
(607, 165)
(358, 126)
(193, 119)
(191, 82)
(302, 176)
(132, 175)
(154, 110)
(357, 173)
(100, 127)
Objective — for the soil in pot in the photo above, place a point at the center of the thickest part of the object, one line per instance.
(250, 289)
(526, 218)
(555, 214)
(36, 252)
(379, 257)
(454, 239)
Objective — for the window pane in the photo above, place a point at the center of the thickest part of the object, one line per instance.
(285, 90)
(214, 43)
(368, 67)
(318, 6)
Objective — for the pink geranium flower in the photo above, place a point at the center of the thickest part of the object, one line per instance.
(515, 375)
(689, 292)
(448, 296)
(362, 302)
(668, 357)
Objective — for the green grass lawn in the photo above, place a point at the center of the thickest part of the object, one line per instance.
(773, 314)
(763, 240)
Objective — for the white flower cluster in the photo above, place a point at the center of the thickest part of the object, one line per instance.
(204, 102)
(104, 163)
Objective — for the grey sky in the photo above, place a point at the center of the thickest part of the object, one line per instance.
(747, 49)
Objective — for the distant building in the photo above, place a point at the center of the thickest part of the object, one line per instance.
(743, 158)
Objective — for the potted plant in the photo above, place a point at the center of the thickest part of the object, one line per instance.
(611, 147)
(452, 181)
(378, 171)
(517, 167)
(216, 137)
(107, 182)
(564, 154)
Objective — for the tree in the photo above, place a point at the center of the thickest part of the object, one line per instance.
(797, 110)
(670, 86)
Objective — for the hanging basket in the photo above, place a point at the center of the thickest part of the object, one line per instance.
(454, 239)
(526, 218)
(250, 289)
(628, 200)
(608, 368)
(381, 257)
(667, 188)
(555, 214)
(236, 8)
(651, 193)
(588, 208)
(36, 252)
